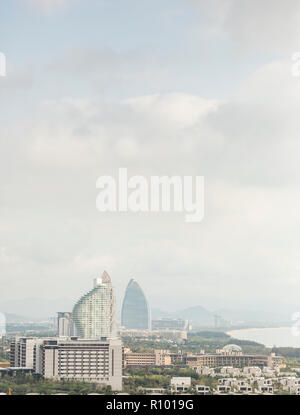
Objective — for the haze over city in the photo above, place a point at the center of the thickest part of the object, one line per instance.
(179, 88)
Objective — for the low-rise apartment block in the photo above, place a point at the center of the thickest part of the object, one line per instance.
(98, 361)
(219, 360)
(205, 371)
(181, 384)
(202, 389)
(230, 371)
(156, 358)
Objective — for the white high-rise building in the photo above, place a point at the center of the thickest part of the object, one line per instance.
(94, 314)
(64, 324)
(23, 352)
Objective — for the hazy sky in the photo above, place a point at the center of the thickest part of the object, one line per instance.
(179, 87)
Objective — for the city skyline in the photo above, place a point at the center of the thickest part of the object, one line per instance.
(149, 199)
(41, 309)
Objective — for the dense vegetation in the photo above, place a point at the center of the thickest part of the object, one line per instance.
(208, 341)
(147, 346)
(209, 334)
(22, 384)
(287, 351)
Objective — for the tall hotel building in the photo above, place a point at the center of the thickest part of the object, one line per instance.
(94, 314)
(135, 308)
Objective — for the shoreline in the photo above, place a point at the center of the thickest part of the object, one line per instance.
(269, 336)
(231, 332)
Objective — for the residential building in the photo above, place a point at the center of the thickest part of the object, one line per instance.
(266, 389)
(290, 384)
(156, 358)
(223, 389)
(252, 371)
(244, 388)
(139, 359)
(220, 360)
(154, 391)
(227, 381)
(204, 371)
(98, 361)
(162, 358)
(269, 372)
(181, 384)
(23, 352)
(202, 389)
(230, 349)
(264, 382)
(276, 361)
(231, 371)
(64, 324)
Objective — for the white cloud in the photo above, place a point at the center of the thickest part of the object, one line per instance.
(247, 148)
(79, 132)
(178, 109)
(48, 6)
(263, 25)
(92, 264)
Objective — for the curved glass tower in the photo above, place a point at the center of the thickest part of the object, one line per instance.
(94, 314)
(135, 308)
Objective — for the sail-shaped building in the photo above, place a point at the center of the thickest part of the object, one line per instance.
(94, 314)
(135, 308)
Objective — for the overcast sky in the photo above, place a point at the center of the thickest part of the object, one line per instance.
(179, 87)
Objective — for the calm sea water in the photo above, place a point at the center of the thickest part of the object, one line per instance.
(280, 337)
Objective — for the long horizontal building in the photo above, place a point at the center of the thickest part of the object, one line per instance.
(170, 324)
(174, 335)
(156, 358)
(70, 358)
(235, 360)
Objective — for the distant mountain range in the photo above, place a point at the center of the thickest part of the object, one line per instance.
(35, 309)
(201, 317)
(254, 316)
